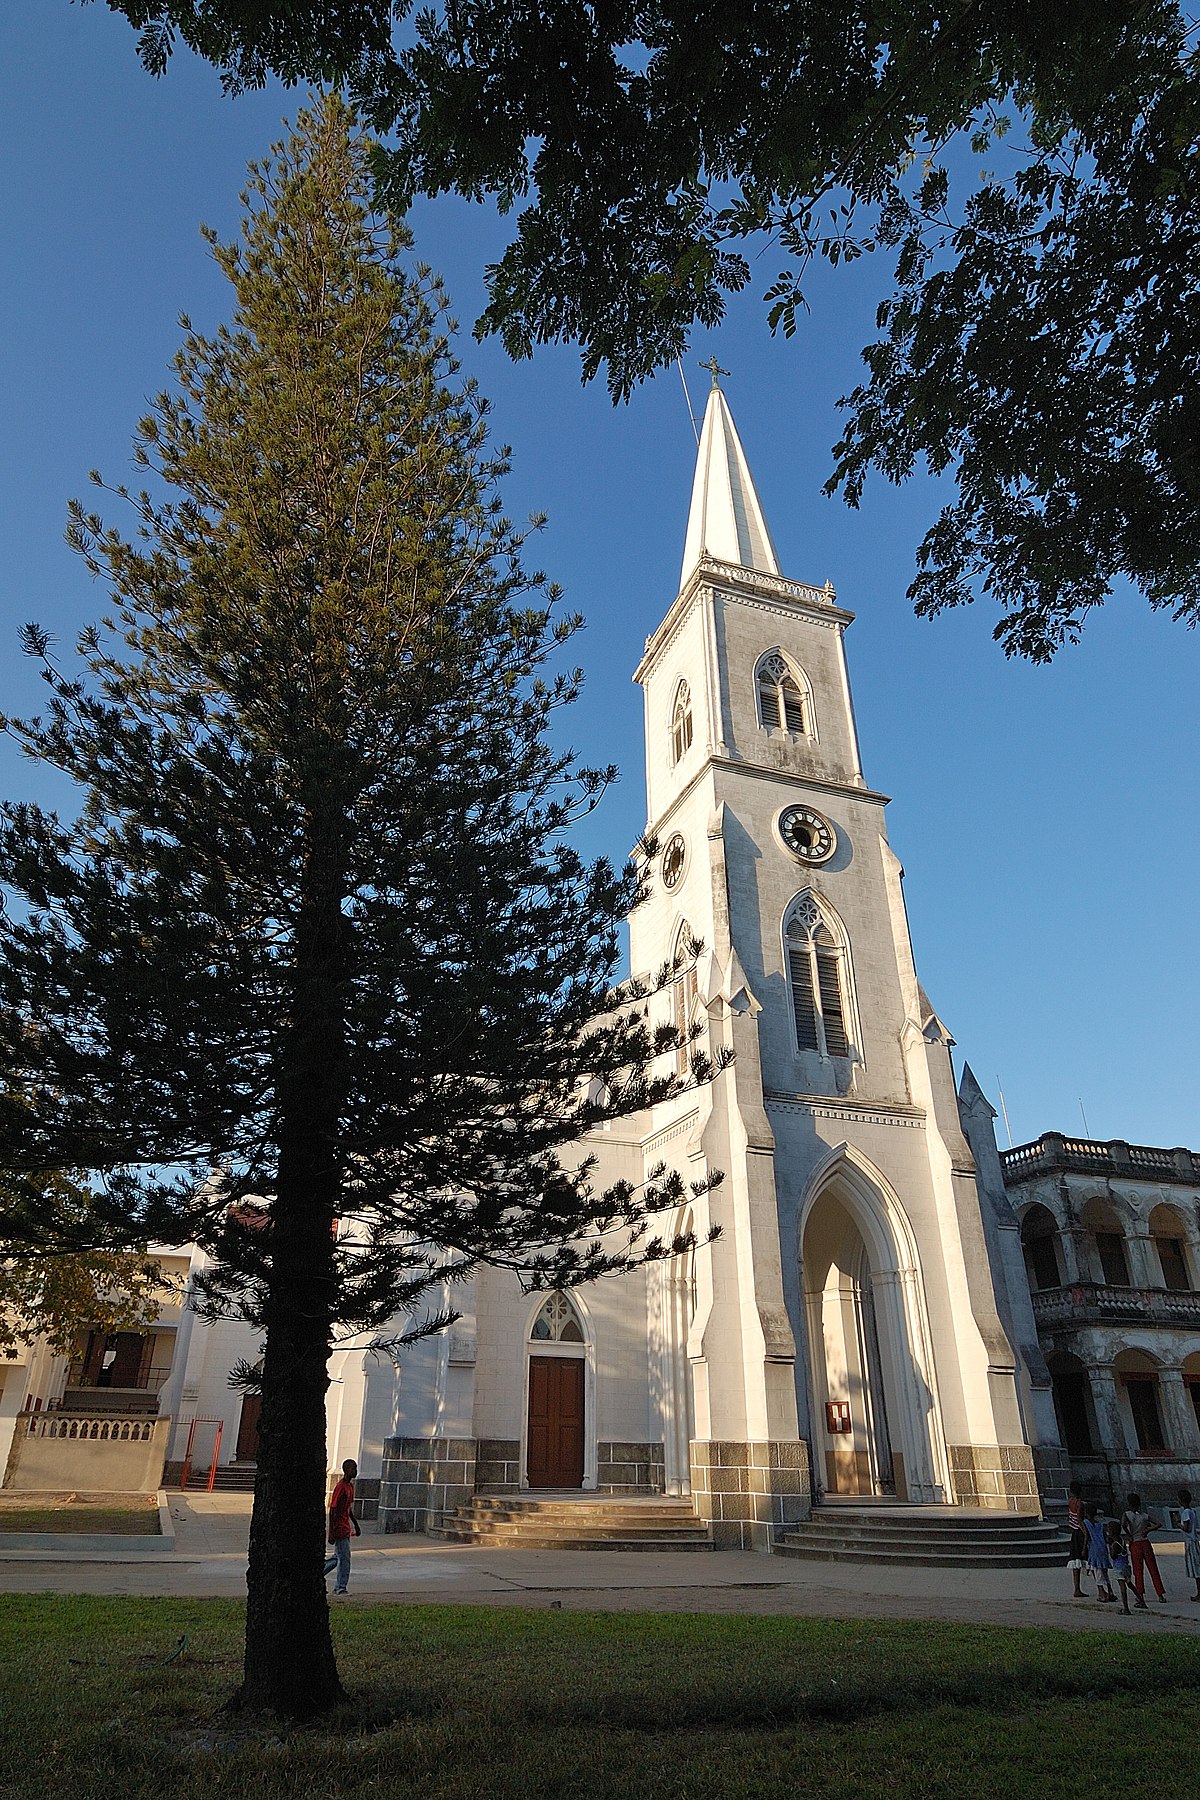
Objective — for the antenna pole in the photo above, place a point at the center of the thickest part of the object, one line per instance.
(688, 398)
(1004, 1110)
(1083, 1116)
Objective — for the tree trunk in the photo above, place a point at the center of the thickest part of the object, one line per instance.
(289, 1664)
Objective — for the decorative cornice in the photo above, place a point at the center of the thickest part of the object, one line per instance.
(677, 617)
(748, 587)
(656, 827)
(790, 779)
(666, 1134)
(826, 1107)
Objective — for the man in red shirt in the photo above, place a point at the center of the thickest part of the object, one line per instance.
(341, 1522)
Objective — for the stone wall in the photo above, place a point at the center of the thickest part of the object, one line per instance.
(97, 1455)
(1052, 1467)
(748, 1493)
(366, 1497)
(630, 1468)
(498, 1466)
(1000, 1477)
(423, 1476)
(621, 1467)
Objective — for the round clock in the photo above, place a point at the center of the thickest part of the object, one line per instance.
(674, 858)
(807, 834)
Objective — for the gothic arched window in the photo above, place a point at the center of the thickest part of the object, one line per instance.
(681, 722)
(819, 975)
(557, 1323)
(784, 698)
(684, 993)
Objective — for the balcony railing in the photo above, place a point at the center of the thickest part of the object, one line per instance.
(1092, 1303)
(1052, 1153)
(88, 1428)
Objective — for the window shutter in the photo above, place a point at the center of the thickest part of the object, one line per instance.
(791, 705)
(829, 977)
(768, 704)
(803, 999)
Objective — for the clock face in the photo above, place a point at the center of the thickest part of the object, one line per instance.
(674, 857)
(807, 834)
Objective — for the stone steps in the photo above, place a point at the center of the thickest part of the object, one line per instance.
(238, 1478)
(926, 1538)
(518, 1522)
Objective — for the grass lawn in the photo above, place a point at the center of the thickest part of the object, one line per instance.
(141, 1521)
(470, 1702)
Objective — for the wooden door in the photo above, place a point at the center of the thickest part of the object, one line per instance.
(556, 1421)
(247, 1438)
(127, 1368)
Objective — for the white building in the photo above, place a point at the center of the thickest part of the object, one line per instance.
(862, 1325)
(843, 1334)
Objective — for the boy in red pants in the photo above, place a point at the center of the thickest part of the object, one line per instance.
(1136, 1527)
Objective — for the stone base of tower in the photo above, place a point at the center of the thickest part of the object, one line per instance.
(749, 1492)
(999, 1477)
(1053, 1467)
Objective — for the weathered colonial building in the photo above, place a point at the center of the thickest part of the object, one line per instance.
(1111, 1241)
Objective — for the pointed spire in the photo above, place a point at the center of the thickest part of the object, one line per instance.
(726, 520)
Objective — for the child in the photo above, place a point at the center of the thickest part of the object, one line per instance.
(1077, 1554)
(1189, 1524)
(1118, 1552)
(1136, 1526)
(1099, 1561)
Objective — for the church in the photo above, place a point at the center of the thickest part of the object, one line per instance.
(861, 1326)
(893, 1309)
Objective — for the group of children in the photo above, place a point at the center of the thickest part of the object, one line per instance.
(1122, 1551)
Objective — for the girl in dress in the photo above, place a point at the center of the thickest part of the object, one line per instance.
(1189, 1524)
(1099, 1561)
(1118, 1551)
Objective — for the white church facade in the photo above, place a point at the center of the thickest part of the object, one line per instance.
(862, 1326)
(856, 1327)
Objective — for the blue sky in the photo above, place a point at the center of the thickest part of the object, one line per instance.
(1047, 818)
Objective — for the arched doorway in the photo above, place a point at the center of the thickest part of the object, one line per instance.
(1140, 1401)
(1074, 1407)
(875, 1421)
(1039, 1241)
(557, 1396)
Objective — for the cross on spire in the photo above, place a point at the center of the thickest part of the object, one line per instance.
(715, 369)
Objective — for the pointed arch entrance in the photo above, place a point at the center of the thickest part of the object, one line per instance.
(556, 1410)
(876, 1424)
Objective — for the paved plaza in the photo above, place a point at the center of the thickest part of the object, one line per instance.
(209, 1559)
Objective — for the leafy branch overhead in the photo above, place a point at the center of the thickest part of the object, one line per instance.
(1039, 308)
(55, 1280)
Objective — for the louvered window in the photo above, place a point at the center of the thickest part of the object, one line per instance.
(829, 976)
(681, 722)
(817, 973)
(803, 999)
(781, 702)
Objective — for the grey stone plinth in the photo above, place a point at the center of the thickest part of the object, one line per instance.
(999, 1477)
(627, 1468)
(423, 1477)
(750, 1492)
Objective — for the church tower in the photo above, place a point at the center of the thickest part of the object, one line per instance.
(842, 1331)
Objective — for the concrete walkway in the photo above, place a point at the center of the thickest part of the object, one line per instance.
(210, 1560)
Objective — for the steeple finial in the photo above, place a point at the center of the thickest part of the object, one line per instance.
(726, 519)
